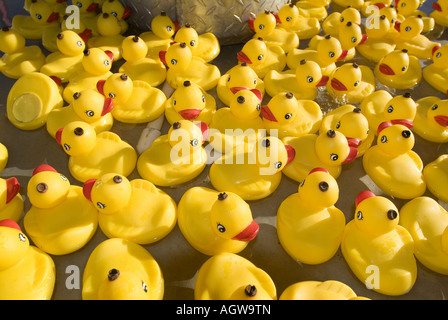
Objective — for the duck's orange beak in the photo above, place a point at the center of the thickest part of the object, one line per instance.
(397, 25)
(58, 135)
(380, 5)
(162, 55)
(250, 22)
(12, 188)
(338, 85)
(176, 25)
(323, 81)
(53, 17)
(93, 7)
(87, 188)
(57, 80)
(9, 223)
(354, 142)
(442, 120)
(126, 13)
(351, 155)
(85, 35)
(277, 18)
(436, 6)
(190, 114)
(204, 128)
(61, 1)
(242, 57)
(108, 106)
(435, 49)
(363, 39)
(267, 114)
(249, 233)
(405, 122)
(385, 69)
(100, 86)
(110, 55)
(291, 153)
(343, 55)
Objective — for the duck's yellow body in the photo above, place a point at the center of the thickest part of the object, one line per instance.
(431, 121)
(436, 74)
(11, 201)
(435, 174)
(317, 290)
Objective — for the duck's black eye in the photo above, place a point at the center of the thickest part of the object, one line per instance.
(174, 101)
(383, 139)
(309, 79)
(221, 228)
(303, 182)
(112, 95)
(331, 54)
(260, 57)
(334, 157)
(392, 214)
(261, 26)
(38, 16)
(342, 19)
(90, 113)
(406, 134)
(114, 14)
(288, 116)
(404, 68)
(288, 19)
(192, 43)
(356, 83)
(434, 107)
(203, 98)
(408, 28)
(390, 109)
(359, 215)
(100, 205)
(106, 63)
(255, 81)
(338, 125)
(79, 4)
(354, 39)
(144, 287)
(403, 4)
(66, 147)
(63, 177)
(228, 79)
(169, 28)
(258, 107)
(278, 165)
(438, 55)
(22, 237)
(194, 142)
(323, 186)
(173, 61)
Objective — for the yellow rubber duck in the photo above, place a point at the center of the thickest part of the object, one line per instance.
(18, 59)
(262, 57)
(317, 290)
(291, 20)
(118, 10)
(364, 246)
(119, 269)
(134, 210)
(135, 101)
(350, 83)
(367, 8)
(313, 8)
(349, 120)
(4, 156)
(214, 222)
(357, 4)
(182, 66)
(240, 279)
(291, 116)
(239, 76)
(407, 8)
(427, 221)
(96, 65)
(303, 82)
(67, 62)
(177, 157)
(26, 272)
(329, 150)
(109, 36)
(254, 173)
(11, 201)
(435, 174)
(138, 66)
(205, 45)
(89, 12)
(190, 102)
(392, 164)
(239, 125)
(265, 26)
(336, 20)
(31, 99)
(91, 155)
(60, 220)
(440, 12)
(309, 226)
(436, 73)
(431, 119)
(399, 70)
(88, 106)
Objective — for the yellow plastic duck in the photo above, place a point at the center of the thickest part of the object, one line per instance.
(118, 10)
(262, 57)
(182, 66)
(254, 173)
(135, 101)
(138, 66)
(291, 20)
(134, 210)
(238, 125)
(357, 4)
(435, 174)
(18, 59)
(26, 272)
(436, 73)
(4, 156)
(329, 150)
(91, 155)
(364, 246)
(119, 269)
(336, 20)
(88, 106)
(440, 12)
(214, 222)
(265, 26)
(407, 8)
(427, 222)
(392, 164)
(399, 70)
(317, 290)
(190, 102)
(349, 120)
(89, 12)
(177, 157)
(303, 82)
(309, 226)
(60, 220)
(96, 65)
(239, 76)
(240, 279)
(431, 119)
(31, 99)
(290, 116)
(350, 83)
(11, 201)
(109, 36)
(205, 45)
(313, 8)
(67, 62)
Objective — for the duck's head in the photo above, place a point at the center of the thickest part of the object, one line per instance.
(354, 126)
(177, 57)
(347, 77)
(86, 6)
(109, 194)
(81, 28)
(391, 15)
(272, 155)
(401, 109)
(264, 24)
(282, 109)
(14, 246)
(246, 104)
(378, 27)
(118, 86)
(375, 214)
(108, 25)
(116, 8)
(309, 75)
(411, 27)
(253, 52)
(288, 15)
(70, 43)
(394, 139)
(395, 63)
(42, 13)
(189, 35)
(350, 35)
(76, 138)
(91, 106)
(134, 48)
(437, 114)
(97, 61)
(241, 76)
(187, 137)
(350, 14)
(406, 7)
(47, 188)
(9, 188)
(231, 218)
(11, 41)
(189, 100)
(329, 50)
(123, 285)
(163, 27)
(440, 56)
(319, 189)
(333, 148)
